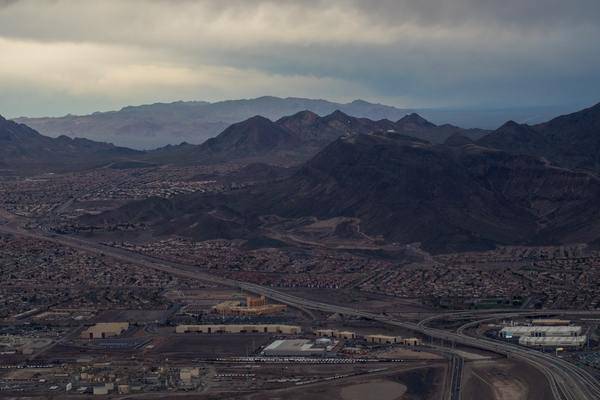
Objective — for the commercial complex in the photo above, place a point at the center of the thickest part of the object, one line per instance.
(555, 341)
(383, 339)
(297, 348)
(277, 329)
(545, 336)
(377, 339)
(509, 332)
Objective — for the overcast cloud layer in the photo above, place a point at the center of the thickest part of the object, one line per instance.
(60, 56)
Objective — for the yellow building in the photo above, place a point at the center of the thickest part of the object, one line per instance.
(345, 335)
(104, 330)
(256, 301)
(411, 341)
(336, 334)
(325, 332)
(383, 339)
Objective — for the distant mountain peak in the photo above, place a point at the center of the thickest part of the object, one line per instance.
(361, 102)
(414, 118)
(257, 119)
(300, 119)
(510, 124)
(338, 116)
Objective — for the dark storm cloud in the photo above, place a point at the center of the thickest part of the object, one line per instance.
(459, 52)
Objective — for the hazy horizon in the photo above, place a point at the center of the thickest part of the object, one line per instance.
(560, 108)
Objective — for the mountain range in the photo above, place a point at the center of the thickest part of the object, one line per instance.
(288, 141)
(296, 138)
(520, 184)
(571, 140)
(156, 125)
(23, 149)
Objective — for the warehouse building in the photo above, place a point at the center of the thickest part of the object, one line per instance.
(542, 335)
(384, 339)
(551, 322)
(346, 335)
(325, 332)
(514, 332)
(554, 342)
(276, 329)
(296, 348)
(105, 330)
(379, 339)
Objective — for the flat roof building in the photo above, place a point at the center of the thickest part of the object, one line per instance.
(295, 348)
(104, 330)
(550, 322)
(345, 335)
(277, 329)
(325, 332)
(382, 339)
(509, 332)
(554, 341)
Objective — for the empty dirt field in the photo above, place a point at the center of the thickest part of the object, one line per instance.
(503, 380)
(208, 346)
(422, 383)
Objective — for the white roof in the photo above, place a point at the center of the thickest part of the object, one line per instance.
(553, 340)
(292, 345)
(546, 329)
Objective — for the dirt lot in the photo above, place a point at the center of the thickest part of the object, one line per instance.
(406, 354)
(382, 390)
(503, 380)
(137, 316)
(199, 346)
(422, 383)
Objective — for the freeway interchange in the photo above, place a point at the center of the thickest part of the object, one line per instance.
(566, 380)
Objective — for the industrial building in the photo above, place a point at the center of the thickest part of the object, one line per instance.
(277, 329)
(336, 334)
(551, 322)
(325, 332)
(510, 332)
(346, 335)
(100, 390)
(105, 330)
(255, 306)
(543, 335)
(554, 341)
(297, 348)
(383, 339)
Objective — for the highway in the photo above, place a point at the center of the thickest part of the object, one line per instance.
(567, 381)
(456, 377)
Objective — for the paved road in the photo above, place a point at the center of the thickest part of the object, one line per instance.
(457, 368)
(567, 381)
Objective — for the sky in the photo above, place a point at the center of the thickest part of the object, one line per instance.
(80, 56)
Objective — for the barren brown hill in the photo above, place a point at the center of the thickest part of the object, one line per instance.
(407, 190)
(23, 150)
(571, 140)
